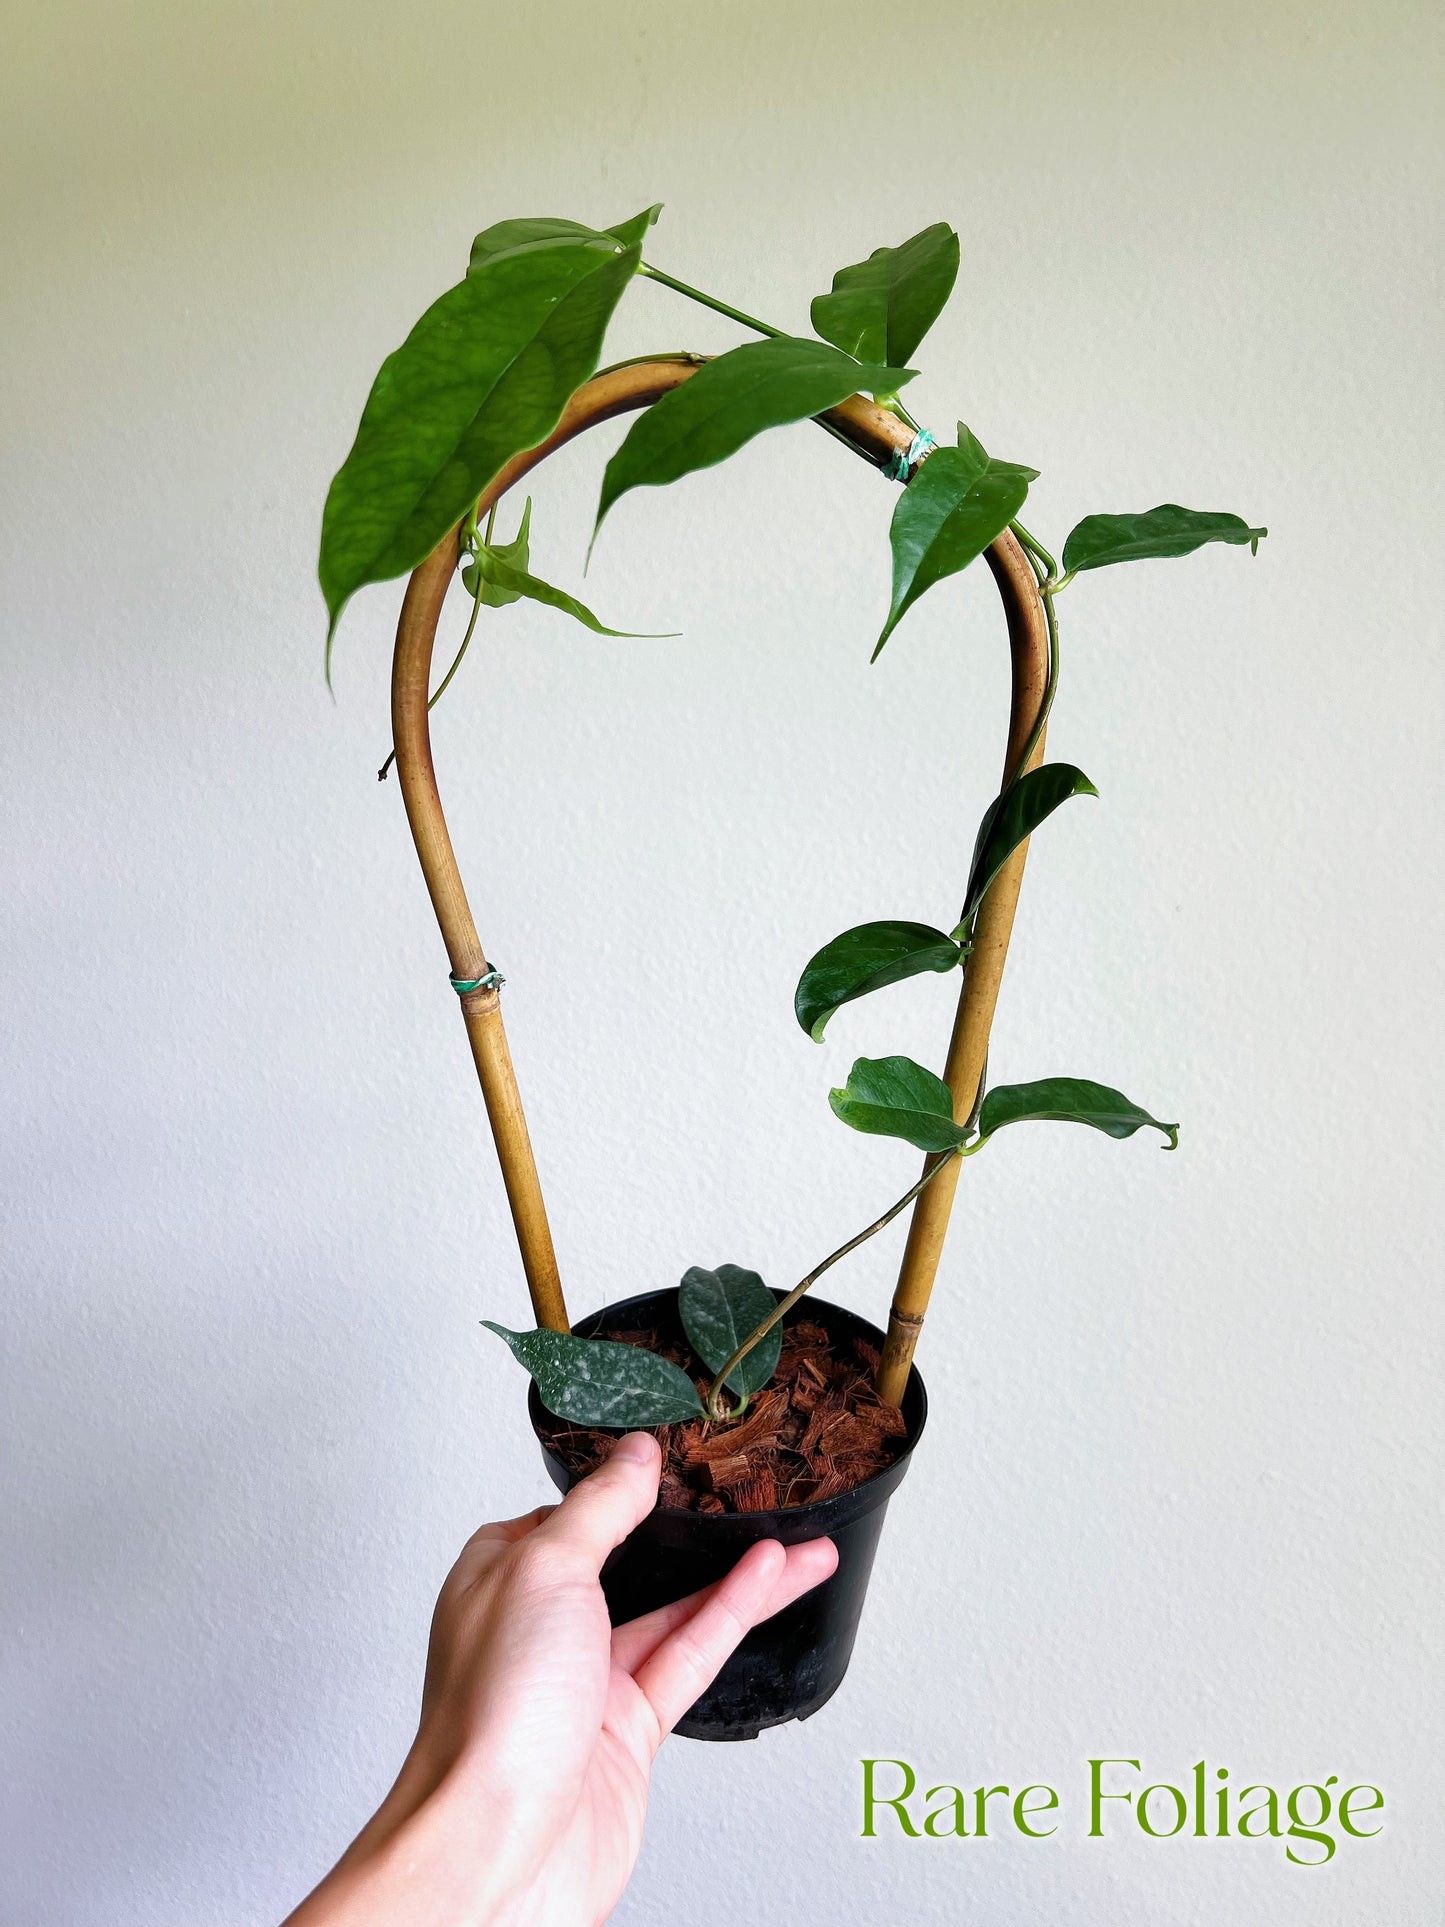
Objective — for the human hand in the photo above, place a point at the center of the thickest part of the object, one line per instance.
(523, 1797)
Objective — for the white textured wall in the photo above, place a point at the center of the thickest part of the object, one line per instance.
(1177, 1495)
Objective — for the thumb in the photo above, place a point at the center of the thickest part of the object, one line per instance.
(599, 1513)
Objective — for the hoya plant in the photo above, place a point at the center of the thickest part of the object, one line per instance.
(503, 368)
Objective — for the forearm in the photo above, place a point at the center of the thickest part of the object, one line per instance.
(433, 1855)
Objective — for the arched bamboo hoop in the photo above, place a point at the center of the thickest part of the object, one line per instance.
(876, 434)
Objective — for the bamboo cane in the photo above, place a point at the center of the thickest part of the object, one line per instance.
(876, 433)
(968, 1047)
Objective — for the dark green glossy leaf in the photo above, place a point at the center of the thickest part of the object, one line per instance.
(867, 958)
(1015, 815)
(894, 1097)
(506, 237)
(1071, 1100)
(763, 384)
(484, 374)
(719, 1309)
(882, 308)
(597, 1381)
(515, 552)
(957, 503)
(1168, 530)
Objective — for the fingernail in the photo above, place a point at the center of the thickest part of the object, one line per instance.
(638, 1448)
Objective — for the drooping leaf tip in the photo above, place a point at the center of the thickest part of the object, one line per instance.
(335, 615)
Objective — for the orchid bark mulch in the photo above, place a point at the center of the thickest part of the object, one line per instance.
(817, 1428)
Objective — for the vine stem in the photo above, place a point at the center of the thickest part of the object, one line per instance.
(710, 301)
(1035, 547)
(1046, 596)
(785, 1305)
(684, 355)
(1046, 570)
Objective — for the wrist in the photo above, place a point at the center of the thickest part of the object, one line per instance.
(450, 1854)
(435, 1854)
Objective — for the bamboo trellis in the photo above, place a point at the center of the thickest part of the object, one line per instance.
(876, 434)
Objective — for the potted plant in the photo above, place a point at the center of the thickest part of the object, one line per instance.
(776, 1419)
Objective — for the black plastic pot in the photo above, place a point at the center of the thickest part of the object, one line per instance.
(794, 1662)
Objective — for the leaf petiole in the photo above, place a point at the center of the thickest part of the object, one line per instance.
(1034, 548)
(708, 301)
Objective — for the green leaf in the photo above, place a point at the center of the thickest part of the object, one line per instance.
(597, 1381)
(763, 384)
(957, 503)
(632, 233)
(501, 568)
(485, 373)
(506, 237)
(882, 308)
(863, 959)
(515, 552)
(894, 1097)
(719, 1309)
(1071, 1100)
(1168, 530)
(1015, 815)
(510, 582)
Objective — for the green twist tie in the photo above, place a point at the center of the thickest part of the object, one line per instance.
(464, 986)
(901, 463)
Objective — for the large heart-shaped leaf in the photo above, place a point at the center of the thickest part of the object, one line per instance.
(505, 237)
(1168, 530)
(894, 1097)
(1070, 1100)
(719, 1310)
(597, 1381)
(485, 373)
(880, 309)
(1015, 815)
(763, 384)
(958, 502)
(867, 958)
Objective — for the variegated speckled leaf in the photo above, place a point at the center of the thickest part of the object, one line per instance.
(597, 1381)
